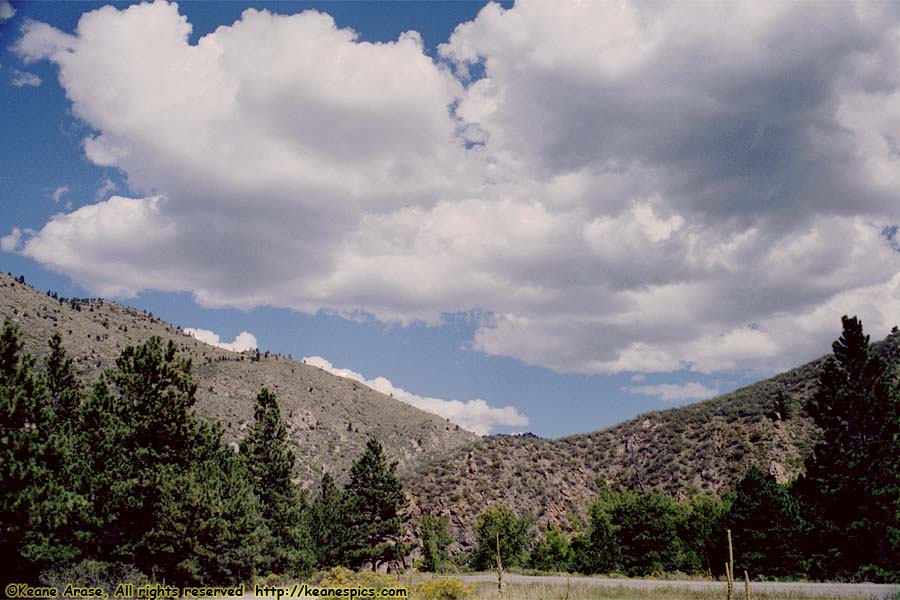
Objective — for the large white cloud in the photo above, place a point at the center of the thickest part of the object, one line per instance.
(474, 415)
(616, 187)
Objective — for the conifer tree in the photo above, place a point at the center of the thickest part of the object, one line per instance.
(147, 444)
(375, 510)
(851, 490)
(40, 511)
(21, 395)
(270, 461)
(209, 529)
(65, 389)
(327, 525)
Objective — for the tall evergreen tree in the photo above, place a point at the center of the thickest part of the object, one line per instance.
(851, 489)
(327, 525)
(41, 509)
(270, 461)
(21, 396)
(375, 509)
(147, 449)
(65, 389)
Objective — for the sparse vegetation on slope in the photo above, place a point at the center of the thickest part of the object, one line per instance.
(328, 418)
(703, 447)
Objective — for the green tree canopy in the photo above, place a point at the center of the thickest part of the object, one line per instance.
(435, 540)
(552, 552)
(498, 521)
(597, 549)
(647, 532)
(327, 521)
(851, 490)
(270, 462)
(765, 525)
(375, 506)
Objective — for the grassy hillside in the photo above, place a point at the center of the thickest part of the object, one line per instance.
(329, 418)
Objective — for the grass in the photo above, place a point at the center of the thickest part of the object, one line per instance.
(588, 591)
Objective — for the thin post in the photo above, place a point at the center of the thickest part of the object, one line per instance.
(499, 569)
(728, 589)
(746, 586)
(730, 568)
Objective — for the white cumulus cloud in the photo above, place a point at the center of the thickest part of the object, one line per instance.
(625, 187)
(244, 340)
(474, 415)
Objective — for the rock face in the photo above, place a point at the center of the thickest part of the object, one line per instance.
(328, 418)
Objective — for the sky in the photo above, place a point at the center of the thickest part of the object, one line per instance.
(531, 216)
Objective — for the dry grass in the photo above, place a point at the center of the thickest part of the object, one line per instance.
(589, 591)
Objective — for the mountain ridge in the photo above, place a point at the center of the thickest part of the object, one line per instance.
(699, 447)
(328, 417)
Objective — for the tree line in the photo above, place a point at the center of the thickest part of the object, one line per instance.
(839, 520)
(124, 474)
(125, 478)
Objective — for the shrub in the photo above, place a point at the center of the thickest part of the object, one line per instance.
(443, 588)
(94, 573)
(341, 577)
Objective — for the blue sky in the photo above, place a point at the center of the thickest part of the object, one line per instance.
(543, 217)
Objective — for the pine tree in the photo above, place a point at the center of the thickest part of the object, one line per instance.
(209, 529)
(21, 395)
(270, 461)
(375, 505)
(65, 389)
(41, 509)
(851, 489)
(327, 525)
(146, 446)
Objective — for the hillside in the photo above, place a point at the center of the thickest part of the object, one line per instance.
(701, 447)
(329, 418)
